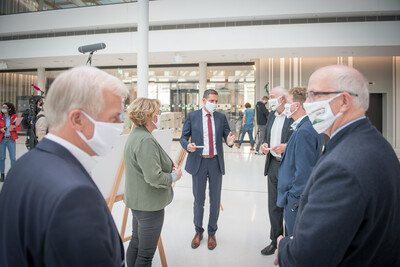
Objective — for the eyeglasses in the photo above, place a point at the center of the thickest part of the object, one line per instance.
(312, 94)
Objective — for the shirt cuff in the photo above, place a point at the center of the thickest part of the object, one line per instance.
(174, 177)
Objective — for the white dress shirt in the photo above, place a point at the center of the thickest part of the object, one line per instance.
(294, 124)
(87, 161)
(276, 133)
(206, 150)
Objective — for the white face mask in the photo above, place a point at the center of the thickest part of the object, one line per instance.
(274, 103)
(4, 110)
(105, 134)
(287, 111)
(211, 107)
(320, 114)
(158, 123)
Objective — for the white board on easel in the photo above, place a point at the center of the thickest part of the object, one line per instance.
(107, 167)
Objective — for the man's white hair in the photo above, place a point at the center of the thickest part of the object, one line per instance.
(350, 80)
(79, 88)
(281, 91)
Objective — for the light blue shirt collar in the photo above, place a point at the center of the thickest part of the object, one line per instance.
(344, 126)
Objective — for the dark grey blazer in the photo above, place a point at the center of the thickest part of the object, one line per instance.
(53, 214)
(286, 133)
(349, 212)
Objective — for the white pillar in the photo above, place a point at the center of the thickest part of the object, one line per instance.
(143, 49)
(41, 80)
(202, 80)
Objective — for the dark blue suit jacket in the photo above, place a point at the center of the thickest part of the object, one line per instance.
(286, 133)
(349, 212)
(301, 154)
(193, 127)
(52, 214)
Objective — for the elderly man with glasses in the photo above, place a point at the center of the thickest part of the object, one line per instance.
(349, 212)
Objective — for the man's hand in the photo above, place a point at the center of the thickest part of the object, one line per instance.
(231, 139)
(191, 147)
(277, 247)
(264, 148)
(279, 149)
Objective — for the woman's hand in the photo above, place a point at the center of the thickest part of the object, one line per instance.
(178, 173)
(12, 127)
(3, 130)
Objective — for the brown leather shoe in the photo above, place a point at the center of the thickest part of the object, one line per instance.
(196, 240)
(212, 242)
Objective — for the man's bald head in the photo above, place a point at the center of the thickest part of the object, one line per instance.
(344, 78)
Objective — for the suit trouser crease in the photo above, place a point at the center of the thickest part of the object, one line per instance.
(209, 169)
(146, 230)
(261, 129)
(275, 212)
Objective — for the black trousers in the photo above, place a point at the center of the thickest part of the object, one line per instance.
(146, 229)
(275, 212)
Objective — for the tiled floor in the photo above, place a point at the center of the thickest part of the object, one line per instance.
(243, 224)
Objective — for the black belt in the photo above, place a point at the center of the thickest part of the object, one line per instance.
(7, 136)
(208, 157)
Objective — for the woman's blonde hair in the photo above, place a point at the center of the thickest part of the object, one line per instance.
(142, 110)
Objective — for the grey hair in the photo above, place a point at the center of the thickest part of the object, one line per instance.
(352, 81)
(347, 79)
(79, 88)
(282, 91)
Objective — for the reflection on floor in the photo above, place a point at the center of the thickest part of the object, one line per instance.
(243, 226)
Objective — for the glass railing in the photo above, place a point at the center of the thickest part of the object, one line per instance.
(23, 6)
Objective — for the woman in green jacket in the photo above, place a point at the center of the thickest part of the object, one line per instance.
(149, 175)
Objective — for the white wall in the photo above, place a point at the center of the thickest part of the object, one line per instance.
(189, 11)
(246, 43)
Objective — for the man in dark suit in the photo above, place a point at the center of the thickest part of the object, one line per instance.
(52, 213)
(301, 153)
(206, 128)
(277, 135)
(262, 117)
(349, 212)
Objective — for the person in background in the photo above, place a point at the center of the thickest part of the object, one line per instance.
(8, 135)
(301, 154)
(262, 118)
(206, 128)
(248, 125)
(41, 125)
(349, 211)
(52, 213)
(150, 173)
(277, 135)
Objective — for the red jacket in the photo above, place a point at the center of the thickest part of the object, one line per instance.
(13, 133)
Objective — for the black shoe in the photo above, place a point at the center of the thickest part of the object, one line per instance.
(2, 177)
(268, 250)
